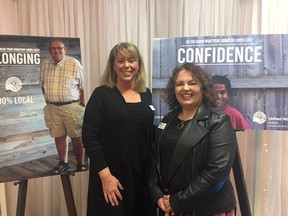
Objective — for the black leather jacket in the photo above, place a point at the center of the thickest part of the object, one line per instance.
(198, 176)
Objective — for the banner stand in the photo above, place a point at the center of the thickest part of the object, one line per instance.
(240, 185)
(68, 193)
(21, 201)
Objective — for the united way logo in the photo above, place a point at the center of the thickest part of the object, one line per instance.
(259, 117)
(13, 83)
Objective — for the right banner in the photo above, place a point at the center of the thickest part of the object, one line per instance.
(256, 67)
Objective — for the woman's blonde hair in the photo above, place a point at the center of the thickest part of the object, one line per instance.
(129, 50)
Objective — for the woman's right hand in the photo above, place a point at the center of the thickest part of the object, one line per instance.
(111, 187)
(162, 204)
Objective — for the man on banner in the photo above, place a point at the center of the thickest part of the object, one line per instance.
(61, 80)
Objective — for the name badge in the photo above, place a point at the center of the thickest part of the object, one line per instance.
(162, 125)
(152, 107)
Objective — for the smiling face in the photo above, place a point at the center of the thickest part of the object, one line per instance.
(57, 50)
(188, 92)
(222, 95)
(126, 68)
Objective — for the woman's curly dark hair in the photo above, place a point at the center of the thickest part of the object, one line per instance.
(200, 75)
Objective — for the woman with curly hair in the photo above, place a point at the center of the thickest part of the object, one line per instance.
(194, 150)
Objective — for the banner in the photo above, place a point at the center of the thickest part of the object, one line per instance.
(24, 135)
(256, 65)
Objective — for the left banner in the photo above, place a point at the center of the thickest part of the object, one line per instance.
(23, 133)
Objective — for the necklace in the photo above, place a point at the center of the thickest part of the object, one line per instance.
(182, 119)
(180, 125)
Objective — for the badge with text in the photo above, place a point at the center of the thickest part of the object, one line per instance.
(162, 125)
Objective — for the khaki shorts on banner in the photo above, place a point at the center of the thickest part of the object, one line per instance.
(64, 120)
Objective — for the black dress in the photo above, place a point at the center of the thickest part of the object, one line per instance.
(119, 136)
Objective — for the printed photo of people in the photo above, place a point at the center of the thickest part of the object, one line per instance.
(222, 89)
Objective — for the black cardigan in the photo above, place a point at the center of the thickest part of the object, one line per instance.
(109, 134)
